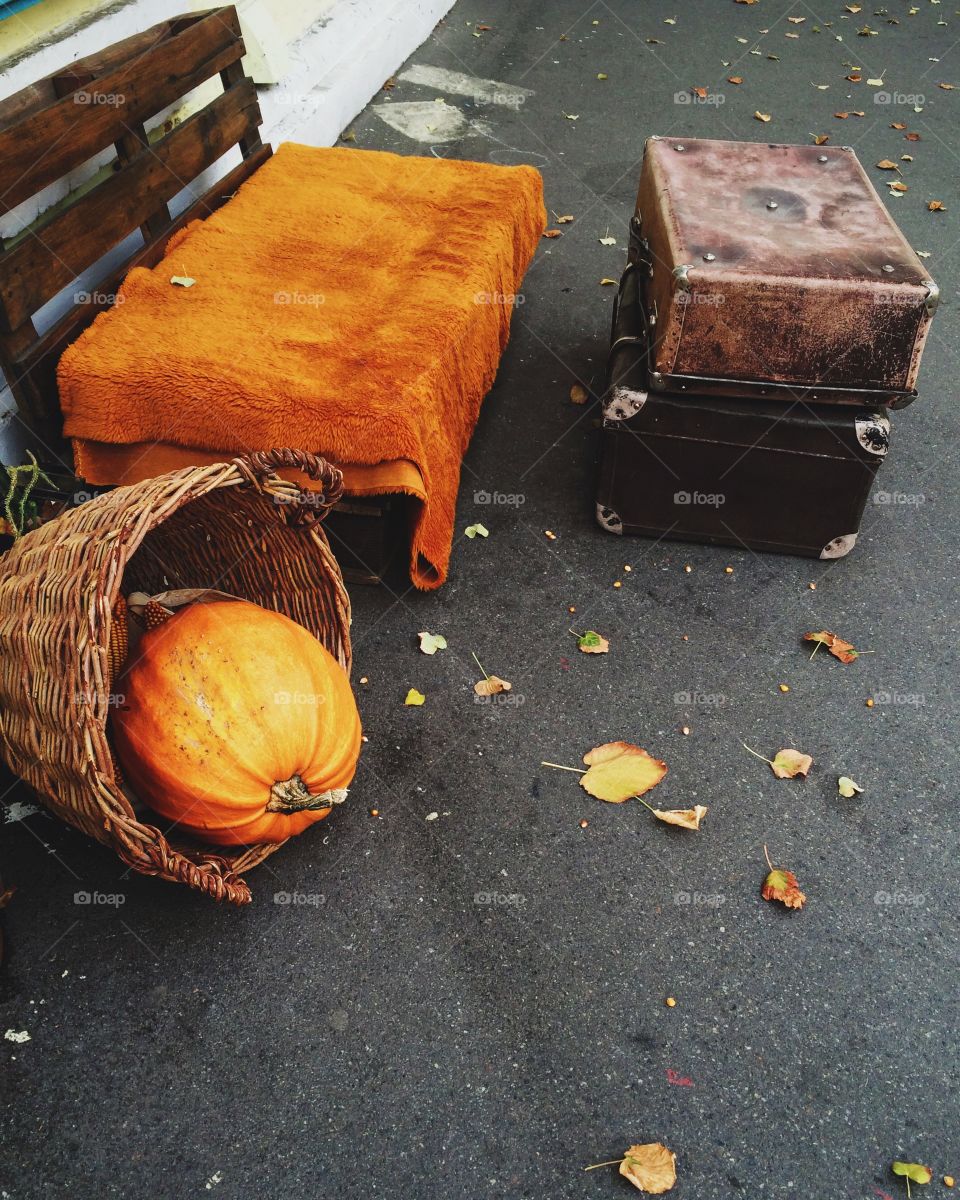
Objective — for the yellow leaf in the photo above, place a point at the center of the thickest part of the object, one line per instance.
(563, 220)
(650, 1168)
(601, 75)
(847, 788)
(605, 282)
(619, 770)
(686, 818)
(414, 697)
(762, 116)
(492, 685)
(787, 764)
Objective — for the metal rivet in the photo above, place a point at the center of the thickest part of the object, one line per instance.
(709, 257)
(822, 158)
(887, 268)
(680, 149)
(772, 204)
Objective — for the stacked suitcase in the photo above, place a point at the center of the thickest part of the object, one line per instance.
(770, 316)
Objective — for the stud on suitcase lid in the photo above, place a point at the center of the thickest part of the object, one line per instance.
(776, 271)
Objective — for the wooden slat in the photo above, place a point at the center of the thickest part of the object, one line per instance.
(53, 141)
(31, 365)
(39, 266)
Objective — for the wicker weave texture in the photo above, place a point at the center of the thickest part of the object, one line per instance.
(237, 527)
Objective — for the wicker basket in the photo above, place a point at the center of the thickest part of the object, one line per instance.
(235, 526)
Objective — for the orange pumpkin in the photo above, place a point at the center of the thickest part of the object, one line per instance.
(237, 724)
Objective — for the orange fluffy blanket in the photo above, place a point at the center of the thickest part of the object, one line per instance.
(353, 303)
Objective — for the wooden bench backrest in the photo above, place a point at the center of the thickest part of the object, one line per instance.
(53, 127)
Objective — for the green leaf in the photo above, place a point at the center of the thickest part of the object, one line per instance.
(590, 638)
(182, 280)
(914, 1171)
(473, 531)
(430, 643)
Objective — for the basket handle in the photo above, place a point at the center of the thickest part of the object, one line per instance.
(306, 505)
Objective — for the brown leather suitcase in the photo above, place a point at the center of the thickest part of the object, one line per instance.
(771, 270)
(763, 475)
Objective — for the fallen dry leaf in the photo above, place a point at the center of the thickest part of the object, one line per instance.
(947, 87)
(491, 685)
(606, 282)
(782, 885)
(737, 79)
(478, 530)
(563, 220)
(759, 116)
(652, 1167)
(686, 818)
(414, 697)
(796, 20)
(620, 770)
(897, 186)
(936, 206)
(607, 241)
(912, 137)
(787, 764)
(847, 788)
(593, 643)
(820, 139)
(836, 645)
(579, 394)
(430, 643)
(886, 165)
(898, 125)
(553, 233)
(183, 281)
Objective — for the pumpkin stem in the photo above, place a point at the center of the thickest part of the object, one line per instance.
(292, 795)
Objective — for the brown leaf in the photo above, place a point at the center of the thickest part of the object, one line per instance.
(700, 91)
(820, 139)
(947, 87)
(652, 1167)
(687, 818)
(897, 186)
(492, 685)
(782, 885)
(759, 116)
(564, 220)
(579, 394)
(787, 764)
(898, 125)
(886, 165)
(737, 79)
(936, 206)
(619, 770)
(553, 233)
(836, 645)
(912, 137)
